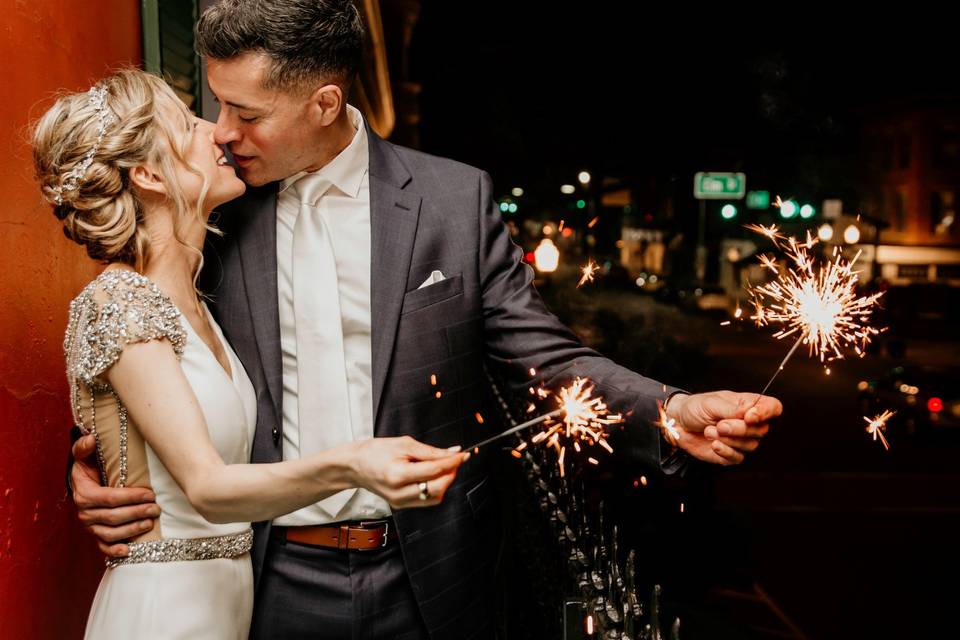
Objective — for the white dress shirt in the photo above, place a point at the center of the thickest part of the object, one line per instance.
(346, 212)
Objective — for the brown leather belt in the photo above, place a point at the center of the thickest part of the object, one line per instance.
(344, 535)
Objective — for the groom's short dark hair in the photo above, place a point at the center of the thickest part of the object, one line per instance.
(307, 41)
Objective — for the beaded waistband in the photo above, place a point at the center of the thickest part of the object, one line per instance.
(177, 549)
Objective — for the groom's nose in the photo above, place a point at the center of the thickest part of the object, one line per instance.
(224, 133)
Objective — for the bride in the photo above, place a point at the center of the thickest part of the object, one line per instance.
(133, 177)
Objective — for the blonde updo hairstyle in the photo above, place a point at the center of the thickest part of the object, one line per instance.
(104, 213)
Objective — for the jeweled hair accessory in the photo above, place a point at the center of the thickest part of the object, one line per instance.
(97, 96)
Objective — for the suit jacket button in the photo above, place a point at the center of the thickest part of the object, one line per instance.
(276, 435)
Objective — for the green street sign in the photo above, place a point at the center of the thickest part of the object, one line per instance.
(719, 186)
(758, 199)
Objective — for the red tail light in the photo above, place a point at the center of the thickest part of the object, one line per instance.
(935, 405)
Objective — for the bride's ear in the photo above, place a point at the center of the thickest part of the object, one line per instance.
(147, 180)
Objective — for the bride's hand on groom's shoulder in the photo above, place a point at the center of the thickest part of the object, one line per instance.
(112, 514)
(405, 472)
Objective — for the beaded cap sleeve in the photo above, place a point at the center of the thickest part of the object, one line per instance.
(116, 309)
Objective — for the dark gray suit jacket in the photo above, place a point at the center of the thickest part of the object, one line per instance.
(427, 214)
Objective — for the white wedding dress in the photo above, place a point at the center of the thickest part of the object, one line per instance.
(187, 578)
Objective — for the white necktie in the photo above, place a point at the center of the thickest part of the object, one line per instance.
(322, 396)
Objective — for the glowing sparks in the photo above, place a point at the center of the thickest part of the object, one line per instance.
(433, 379)
(772, 232)
(584, 421)
(877, 425)
(478, 417)
(769, 262)
(669, 425)
(588, 272)
(533, 372)
(580, 422)
(592, 222)
(724, 323)
(738, 312)
(819, 303)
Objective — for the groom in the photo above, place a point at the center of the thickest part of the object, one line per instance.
(365, 286)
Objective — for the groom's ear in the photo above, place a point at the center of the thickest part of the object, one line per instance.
(327, 101)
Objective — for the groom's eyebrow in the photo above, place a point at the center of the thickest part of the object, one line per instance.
(236, 105)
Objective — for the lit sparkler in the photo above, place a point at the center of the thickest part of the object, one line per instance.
(588, 272)
(878, 424)
(818, 302)
(584, 419)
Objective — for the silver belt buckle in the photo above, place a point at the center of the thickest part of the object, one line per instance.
(386, 529)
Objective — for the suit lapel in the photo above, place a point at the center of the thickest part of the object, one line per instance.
(258, 256)
(394, 213)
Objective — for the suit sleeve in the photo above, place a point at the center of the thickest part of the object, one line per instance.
(520, 333)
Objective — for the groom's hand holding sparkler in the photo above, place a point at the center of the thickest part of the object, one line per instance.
(720, 426)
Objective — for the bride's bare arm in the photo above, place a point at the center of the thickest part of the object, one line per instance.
(149, 381)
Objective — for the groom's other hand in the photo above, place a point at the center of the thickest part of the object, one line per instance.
(112, 514)
(721, 427)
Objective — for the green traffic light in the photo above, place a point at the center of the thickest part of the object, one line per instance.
(788, 209)
(513, 207)
(504, 206)
(728, 212)
(581, 204)
(807, 211)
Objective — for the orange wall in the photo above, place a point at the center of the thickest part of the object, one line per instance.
(49, 566)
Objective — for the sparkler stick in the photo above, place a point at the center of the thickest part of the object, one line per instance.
(519, 427)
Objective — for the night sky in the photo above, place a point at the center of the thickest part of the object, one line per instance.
(533, 93)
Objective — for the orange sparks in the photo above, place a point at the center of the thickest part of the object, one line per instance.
(772, 232)
(478, 417)
(669, 425)
(817, 302)
(533, 372)
(560, 227)
(724, 323)
(588, 272)
(583, 425)
(738, 312)
(592, 222)
(592, 461)
(878, 425)
(769, 262)
(590, 625)
(516, 454)
(643, 480)
(681, 507)
(433, 379)
(438, 394)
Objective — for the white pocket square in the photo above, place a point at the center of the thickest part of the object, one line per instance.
(435, 277)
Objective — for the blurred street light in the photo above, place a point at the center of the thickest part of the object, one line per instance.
(547, 256)
(517, 192)
(567, 189)
(825, 232)
(584, 178)
(728, 212)
(851, 235)
(807, 211)
(788, 209)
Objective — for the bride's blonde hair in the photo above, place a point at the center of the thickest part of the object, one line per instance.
(93, 196)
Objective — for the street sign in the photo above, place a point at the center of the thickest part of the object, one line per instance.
(719, 186)
(758, 199)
